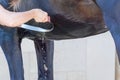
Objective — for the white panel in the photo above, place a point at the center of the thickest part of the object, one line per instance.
(70, 59)
(100, 57)
(4, 71)
(70, 55)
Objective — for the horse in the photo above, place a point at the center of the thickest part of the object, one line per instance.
(72, 19)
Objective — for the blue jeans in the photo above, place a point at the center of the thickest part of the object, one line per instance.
(10, 43)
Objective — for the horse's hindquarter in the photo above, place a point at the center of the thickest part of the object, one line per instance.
(72, 18)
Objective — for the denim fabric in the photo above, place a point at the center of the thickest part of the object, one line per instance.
(1, 35)
(4, 3)
(111, 12)
(10, 44)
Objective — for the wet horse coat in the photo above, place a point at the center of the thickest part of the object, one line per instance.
(72, 19)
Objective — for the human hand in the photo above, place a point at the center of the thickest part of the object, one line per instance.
(41, 16)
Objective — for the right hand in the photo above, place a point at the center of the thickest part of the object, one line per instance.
(41, 16)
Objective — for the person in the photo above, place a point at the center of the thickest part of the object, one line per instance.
(9, 21)
(15, 19)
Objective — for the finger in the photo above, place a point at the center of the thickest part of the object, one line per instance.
(49, 19)
(42, 19)
(46, 19)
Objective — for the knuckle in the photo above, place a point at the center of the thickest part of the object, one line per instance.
(46, 13)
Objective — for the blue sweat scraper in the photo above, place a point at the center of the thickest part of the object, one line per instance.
(43, 27)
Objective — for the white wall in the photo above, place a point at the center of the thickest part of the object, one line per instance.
(100, 58)
(91, 58)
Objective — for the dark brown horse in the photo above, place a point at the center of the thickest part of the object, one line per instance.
(71, 18)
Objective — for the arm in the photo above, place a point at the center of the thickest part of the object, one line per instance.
(13, 19)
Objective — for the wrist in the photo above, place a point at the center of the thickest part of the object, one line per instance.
(34, 13)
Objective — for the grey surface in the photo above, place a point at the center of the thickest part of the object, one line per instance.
(79, 59)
